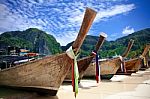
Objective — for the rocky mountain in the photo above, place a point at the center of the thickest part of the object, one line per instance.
(117, 47)
(33, 39)
(38, 41)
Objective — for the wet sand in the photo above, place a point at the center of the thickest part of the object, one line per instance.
(136, 86)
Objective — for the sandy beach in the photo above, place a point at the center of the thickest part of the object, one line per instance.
(136, 86)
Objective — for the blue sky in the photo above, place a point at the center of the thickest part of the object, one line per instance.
(63, 18)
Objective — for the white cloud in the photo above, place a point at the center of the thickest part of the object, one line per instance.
(128, 30)
(11, 21)
(114, 10)
(66, 37)
(61, 19)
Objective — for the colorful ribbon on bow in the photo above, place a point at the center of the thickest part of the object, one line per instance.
(97, 67)
(75, 72)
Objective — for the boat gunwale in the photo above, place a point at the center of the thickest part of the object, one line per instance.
(29, 62)
(134, 59)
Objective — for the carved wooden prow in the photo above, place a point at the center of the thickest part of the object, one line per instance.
(86, 24)
(125, 54)
(52, 69)
(85, 62)
(138, 63)
(100, 41)
(146, 49)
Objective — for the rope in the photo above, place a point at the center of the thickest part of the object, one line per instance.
(123, 69)
(75, 72)
(144, 59)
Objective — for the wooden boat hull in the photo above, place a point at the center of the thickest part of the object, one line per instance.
(133, 65)
(146, 61)
(83, 63)
(82, 66)
(144, 64)
(107, 76)
(48, 72)
(39, 90)
(149, 63)
(108, 68)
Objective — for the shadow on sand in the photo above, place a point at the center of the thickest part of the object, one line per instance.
(8, 93)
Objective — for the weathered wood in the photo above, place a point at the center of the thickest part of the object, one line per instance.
(135, 64)
(130, 44)
(108, 67)
(48, 72)
(148, 59)
(84, 62)
(145, 57)
(86, 24)
(146, 49)
(100, 41)
(124, 55)
(84, 65)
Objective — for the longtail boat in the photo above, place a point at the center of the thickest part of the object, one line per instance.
(47, 74)
(122, 69)
(83, 63)
(135, 64)
(146, 59)
(108, 67)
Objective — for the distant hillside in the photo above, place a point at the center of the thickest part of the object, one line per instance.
(111, 48)
(87, 47)
(38, 41)
(33, 39)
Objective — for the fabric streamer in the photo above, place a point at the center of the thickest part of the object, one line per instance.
(144, 59)
(75, 72)
(121, 67)
(97, 68)
(122, 64)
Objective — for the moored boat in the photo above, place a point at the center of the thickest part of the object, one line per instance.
(122, 69)
(135, 64)
(108, 67)
(146, 59)
(83, 63)
(47, 74)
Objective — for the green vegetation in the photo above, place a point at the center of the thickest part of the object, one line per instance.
(111, 48)
(38, 41)
(33, 39)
